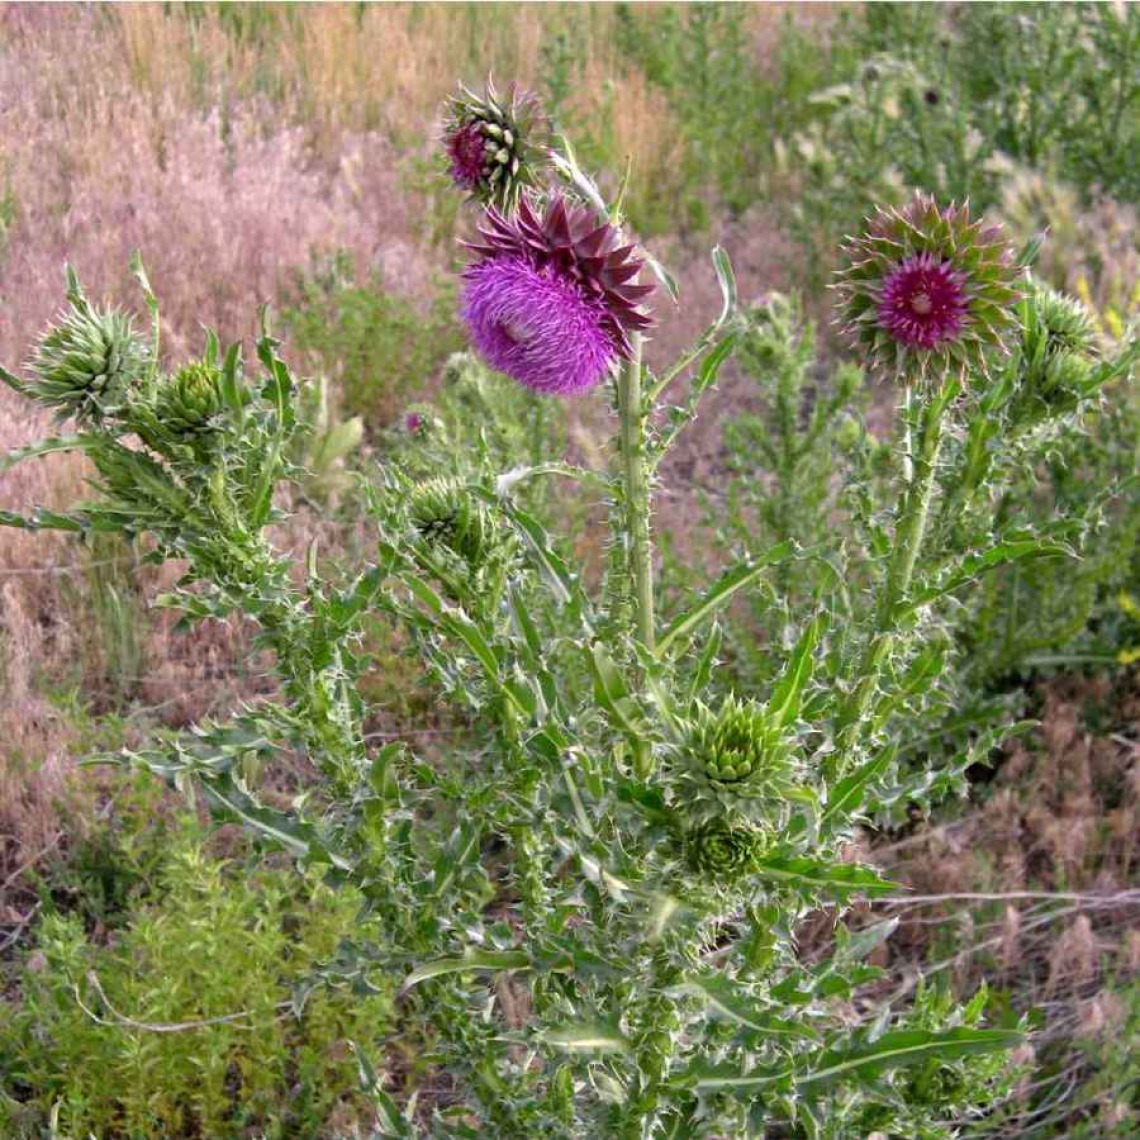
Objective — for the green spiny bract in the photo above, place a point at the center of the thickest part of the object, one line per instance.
(189, 402)
(445, 514)
(494, 143)
(1058, 352)
(723, 852)
(927, 292)
(86, 363)
(737, 758)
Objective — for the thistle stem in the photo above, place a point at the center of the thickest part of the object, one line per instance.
(635, 474)
(909, 537)
(635, 500)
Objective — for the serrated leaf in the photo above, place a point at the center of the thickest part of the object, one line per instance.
(815, 875)
(727, 280)
(905, 1047)
(784, 703)
(847, 795)
(474, 961)
(725, 1000)
(588, 1037)
(720, 593)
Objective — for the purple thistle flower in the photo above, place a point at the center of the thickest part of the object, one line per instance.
(537, 325)
(554, 296)
(927, 292)
(467, 149)
(413, 421)
(924, 302)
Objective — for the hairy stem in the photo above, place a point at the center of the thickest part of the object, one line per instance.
(909, 537)
(635, 495)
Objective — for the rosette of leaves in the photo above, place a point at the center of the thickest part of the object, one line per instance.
(721, 851)
(85, 363)
(1057, 355)
(494, 143)
(738, 758)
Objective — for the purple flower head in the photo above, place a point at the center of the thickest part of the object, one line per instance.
(928, 292)
(537, 325)
(553, 297)
(413, 421)
(466, 150)
(924, 302)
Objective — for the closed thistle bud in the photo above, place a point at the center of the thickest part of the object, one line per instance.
(737, 755)
(494, 143)
(1058, 352)
(722, 851)
(189, 402)
(926, 292)
(445, 514)
(86, 363)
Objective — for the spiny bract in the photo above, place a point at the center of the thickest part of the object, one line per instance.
(494, 143)
(926, 291)
(86, 363)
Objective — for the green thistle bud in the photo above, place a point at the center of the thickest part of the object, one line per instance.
(1058, 352)
(724, 852)
(189, 402)
(446, 515)
(86, 363)
(494, 144)
(927, 292)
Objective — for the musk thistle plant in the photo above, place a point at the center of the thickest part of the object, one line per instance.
(927, 292)
(543, 885)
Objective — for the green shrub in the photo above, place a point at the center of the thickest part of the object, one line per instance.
(218, 956)
(377, 345)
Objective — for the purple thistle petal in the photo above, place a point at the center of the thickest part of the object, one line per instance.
(924, 302)
(467, 150)
(537, 325)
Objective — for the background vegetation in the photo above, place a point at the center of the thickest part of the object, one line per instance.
(286, 154)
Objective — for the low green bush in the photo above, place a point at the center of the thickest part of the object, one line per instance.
(190, 1022)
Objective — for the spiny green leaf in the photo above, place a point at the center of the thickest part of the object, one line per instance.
(473, 961)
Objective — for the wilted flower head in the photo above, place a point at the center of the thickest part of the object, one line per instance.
(927, 291)
(86, 362)
(493, 143)
(553, 296)
(722, 851)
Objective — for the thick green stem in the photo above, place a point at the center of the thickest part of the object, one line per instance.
(635, 475)
(635, 500)
(908, 543)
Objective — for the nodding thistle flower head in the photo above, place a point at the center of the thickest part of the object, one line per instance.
(445, 515)
(1058, 352)
(553, 296)
(188, 403)
(87, 361)
(724, 852)
(737, 758)
(493, 143)
(926, 291)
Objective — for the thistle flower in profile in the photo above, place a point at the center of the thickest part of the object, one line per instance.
(553, 296)
(87, 361)
(927, 291)
(724, 852)
(494, 143)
